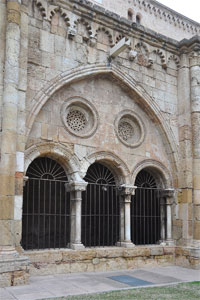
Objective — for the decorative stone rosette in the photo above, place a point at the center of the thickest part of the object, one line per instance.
(129, 128)
(79, 117)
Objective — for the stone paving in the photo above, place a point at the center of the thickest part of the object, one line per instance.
(52, 286)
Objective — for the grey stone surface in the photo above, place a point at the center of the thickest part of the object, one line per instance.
(42, 287)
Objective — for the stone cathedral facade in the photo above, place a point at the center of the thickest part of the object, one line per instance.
(99, 137)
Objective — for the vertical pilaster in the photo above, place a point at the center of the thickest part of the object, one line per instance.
(21, 121)
(9, 124)
(185, 183)
(76, 189)
(126, 195)
(195, 105)
(14, 263)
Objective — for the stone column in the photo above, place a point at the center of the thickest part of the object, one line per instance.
(163, 222)
(15, 264)
(126, 193)
(76, 188)
(195, 105)
(183, 218)
(169, 196)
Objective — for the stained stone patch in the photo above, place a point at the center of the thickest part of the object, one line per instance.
(129, 280)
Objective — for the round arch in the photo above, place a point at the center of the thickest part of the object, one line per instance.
(60, 153)
(157, 169)
(135, 89)
(116, 165)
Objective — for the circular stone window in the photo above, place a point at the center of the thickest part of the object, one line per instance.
(129, 128)
(79, 117)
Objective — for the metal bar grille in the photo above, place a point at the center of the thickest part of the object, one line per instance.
(100, 215)
(46, 214)
(146, 216)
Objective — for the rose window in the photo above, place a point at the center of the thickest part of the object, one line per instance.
(129, 128)
(79, 117)
(125, 131)
(76, 120)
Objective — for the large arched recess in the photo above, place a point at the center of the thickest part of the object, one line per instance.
(134, 89)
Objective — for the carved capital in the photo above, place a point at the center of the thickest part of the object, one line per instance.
(25, 179)
(128, 190)
(13, 12)
(76, 186)
(169, 194)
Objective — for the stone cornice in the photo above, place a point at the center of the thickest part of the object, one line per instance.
(176, 17)
(87, 13)
(191, 45)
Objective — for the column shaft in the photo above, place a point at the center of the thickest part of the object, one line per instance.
(195, 104)
(76, 189)
(9, 124)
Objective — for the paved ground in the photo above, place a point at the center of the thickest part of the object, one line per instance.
(82, 283)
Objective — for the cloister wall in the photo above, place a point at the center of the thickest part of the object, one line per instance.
(60, 55)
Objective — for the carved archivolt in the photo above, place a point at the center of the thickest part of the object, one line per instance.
(117, 166)
(161, 173)
(59, 152)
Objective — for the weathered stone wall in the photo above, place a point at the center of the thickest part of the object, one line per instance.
(98, 259)
(60, 52)
(2, 54)
(155, 16)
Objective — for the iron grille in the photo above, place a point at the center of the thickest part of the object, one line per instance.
(100, 208)
(100, 215)
(46, 207)
(146, 211)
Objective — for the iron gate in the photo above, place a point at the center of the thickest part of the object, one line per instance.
(100, 208)
(148, 211)
(46, 207)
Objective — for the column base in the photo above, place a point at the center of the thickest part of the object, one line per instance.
(195, 244)
(162, 243)
(75, 246)
(169, 242)
(125, 244)
(14, 269)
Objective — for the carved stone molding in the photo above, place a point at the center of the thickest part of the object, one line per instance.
(74, 186)
(106, 32)
(79, 117)
(60, 152)
(163, 175)
(117, 166)
(129, 128)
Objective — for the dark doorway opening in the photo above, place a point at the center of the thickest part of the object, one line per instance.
(46, 206)
(100, 208)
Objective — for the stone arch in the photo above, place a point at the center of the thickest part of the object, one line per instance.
(126, 81)
(158, 170)
(119, 169)
(58, 152)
